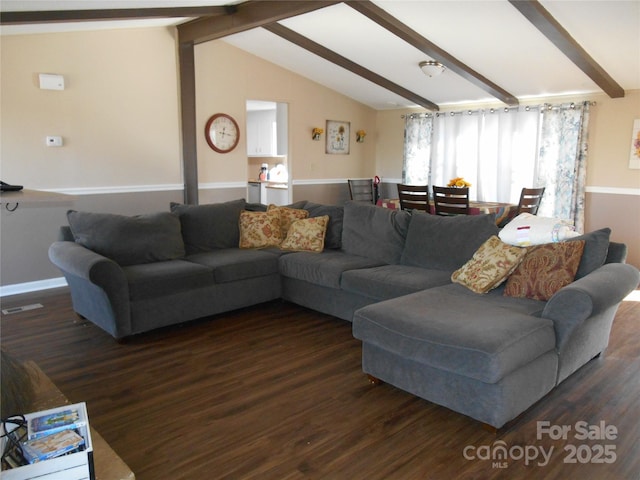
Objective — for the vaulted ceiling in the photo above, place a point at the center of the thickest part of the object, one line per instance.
(505, 51)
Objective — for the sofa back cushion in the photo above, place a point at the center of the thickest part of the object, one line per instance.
(596, 247)
(129, 240)
(374, 232)
(333, 237)
(210, 226)
(445, 243)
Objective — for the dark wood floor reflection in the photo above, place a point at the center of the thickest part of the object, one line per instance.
(277, 392)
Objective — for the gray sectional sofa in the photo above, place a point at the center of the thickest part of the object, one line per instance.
(486, 355)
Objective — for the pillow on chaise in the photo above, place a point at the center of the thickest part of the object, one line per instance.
(544, 270)
(492, 263)
(129, 240)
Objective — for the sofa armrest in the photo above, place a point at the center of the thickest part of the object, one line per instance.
(601, 289)
(99, 287)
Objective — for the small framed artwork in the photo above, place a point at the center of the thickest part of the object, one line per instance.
(634, 158)
(338, 134)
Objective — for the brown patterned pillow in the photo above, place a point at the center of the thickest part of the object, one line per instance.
(260, 229)
(545, 270)
(288, 216)
(306, 235)
(490, 265)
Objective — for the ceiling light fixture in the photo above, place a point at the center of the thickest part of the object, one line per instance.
(431, 68)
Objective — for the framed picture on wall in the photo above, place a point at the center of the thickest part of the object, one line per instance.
(634, 158)
(338, 134)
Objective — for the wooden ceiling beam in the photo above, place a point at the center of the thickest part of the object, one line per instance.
(347, 64)
(248, 15)
(57, 16)
(389, 22)
(560, 37)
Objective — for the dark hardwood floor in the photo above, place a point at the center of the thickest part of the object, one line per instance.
(277, 392)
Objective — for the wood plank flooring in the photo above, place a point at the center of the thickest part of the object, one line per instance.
(277, 392)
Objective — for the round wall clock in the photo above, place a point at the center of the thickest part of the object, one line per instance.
(222, 133)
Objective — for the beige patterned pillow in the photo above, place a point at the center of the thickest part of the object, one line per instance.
(492, 263)
(260, 229)
(288, 215)
(306, 235)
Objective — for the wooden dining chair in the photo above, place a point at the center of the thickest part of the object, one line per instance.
(451, 200)
(530, 199)
(414, 197)
(361, 190)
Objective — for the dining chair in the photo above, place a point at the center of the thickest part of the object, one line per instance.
(361, 190)
(414, 197)
(451, 200)
(530, 199)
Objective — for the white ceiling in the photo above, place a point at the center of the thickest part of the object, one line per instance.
(490, 36)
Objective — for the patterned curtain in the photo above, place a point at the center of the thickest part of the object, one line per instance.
(562, 161)
(418, 130)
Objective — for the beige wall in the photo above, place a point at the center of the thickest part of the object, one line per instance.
(118, 114)
(120, 123)
(221, 69)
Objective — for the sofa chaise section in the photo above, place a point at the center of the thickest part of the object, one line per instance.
(491, 356)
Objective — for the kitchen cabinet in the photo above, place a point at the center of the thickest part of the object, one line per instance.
(261, 133)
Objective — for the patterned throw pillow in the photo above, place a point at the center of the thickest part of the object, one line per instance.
(306, 235)
(545, 270)
(492, 263)
(287, 216)
(260, 229)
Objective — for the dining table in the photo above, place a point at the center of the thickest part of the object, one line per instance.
(504, 212)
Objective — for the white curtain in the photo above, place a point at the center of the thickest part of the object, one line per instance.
(501, 151)
(493, 150)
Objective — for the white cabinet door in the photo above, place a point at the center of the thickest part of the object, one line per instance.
(261, 133)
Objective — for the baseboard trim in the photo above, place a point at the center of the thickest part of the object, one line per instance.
(18, 288)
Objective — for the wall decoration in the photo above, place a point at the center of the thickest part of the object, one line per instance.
(338, 137)
(360, 134)
(634, 158)
(316, 132)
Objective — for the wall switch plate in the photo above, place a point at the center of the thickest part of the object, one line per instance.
(54, 141)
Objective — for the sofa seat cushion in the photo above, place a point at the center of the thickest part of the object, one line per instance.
(474, 338)
(159, 279)
(324, 268)
(390, 281)
(233, 264)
